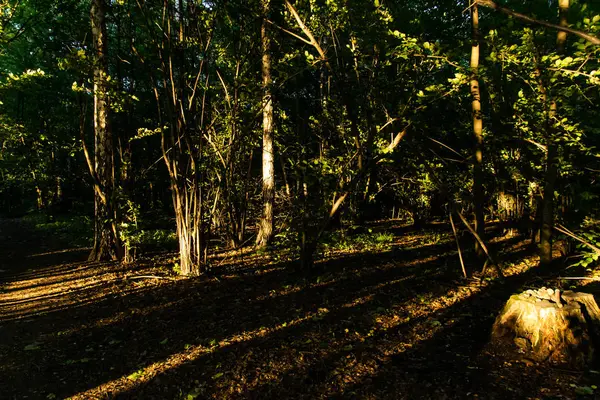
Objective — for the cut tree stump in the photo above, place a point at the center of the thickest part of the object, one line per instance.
(548, 325)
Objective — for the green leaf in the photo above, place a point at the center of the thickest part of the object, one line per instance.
(193, 394)
(32, 346)
(136, 375)
(584, 390)
(217, 375)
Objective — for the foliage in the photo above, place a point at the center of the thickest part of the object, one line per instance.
(71, 230)
(373, 112)
(589, 257)
(370, 241)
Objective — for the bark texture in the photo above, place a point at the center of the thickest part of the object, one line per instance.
(265, 233)
(549, 326)
(478, 194)
(106, 237)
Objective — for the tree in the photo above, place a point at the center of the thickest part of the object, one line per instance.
(107, 242)
(369, 119)
(551, 156)
(478, 193)
(265, 233)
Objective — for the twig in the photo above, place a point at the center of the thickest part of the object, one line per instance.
(455, 208)
(462, 264)
(567, 232)
(484, 268)
(446, 146)
(481, 243)
(168, 278)
(538, 145)
(579, 278)
(397, 139)
(570, 71)
(308, 33)
(489, 3)
(290, 32)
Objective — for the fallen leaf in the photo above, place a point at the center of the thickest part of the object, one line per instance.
(32, 346)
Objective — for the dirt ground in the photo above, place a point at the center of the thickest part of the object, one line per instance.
(398, 323)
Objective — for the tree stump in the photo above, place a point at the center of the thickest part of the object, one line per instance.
(548, 325)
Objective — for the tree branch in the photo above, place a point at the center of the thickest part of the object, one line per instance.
(462, 263)
(567, 232)
(490, 4)
(308, 33)
(88, 159)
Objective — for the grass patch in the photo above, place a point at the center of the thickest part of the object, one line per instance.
(75, 230)
(369, 241)
(152, 239)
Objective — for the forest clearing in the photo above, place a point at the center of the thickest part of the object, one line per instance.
(371, 199)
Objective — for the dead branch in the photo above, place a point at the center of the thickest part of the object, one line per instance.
(462, 264)
(567, 232)
(308, 33)
(168, 278)
(481, 243)
(490, 4)
(579, 278)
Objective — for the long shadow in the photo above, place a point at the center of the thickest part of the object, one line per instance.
(344, 312)
(208, 305)
(459, 358)
(70, 273)
(299, 379)
(452, 363)
(240, 321)
(23, 268)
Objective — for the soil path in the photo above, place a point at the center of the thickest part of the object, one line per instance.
(394, 323)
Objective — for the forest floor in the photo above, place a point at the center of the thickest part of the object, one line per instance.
(397, 322)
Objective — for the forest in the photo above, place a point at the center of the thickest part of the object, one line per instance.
(299, 199)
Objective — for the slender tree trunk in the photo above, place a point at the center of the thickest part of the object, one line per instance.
(106, 238)
(265, 234)
(478, 193)
(123, 147)
(181, 151)
(552, 156)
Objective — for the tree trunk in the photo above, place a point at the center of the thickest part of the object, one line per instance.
(182, 153)
(188, 218)
(478, 194)
(106, 237)
(552, 159)
(265, 233)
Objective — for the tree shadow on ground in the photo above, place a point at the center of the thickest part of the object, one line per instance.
(435, 353)
(391, 324)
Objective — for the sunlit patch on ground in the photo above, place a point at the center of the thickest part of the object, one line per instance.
(398, 322)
